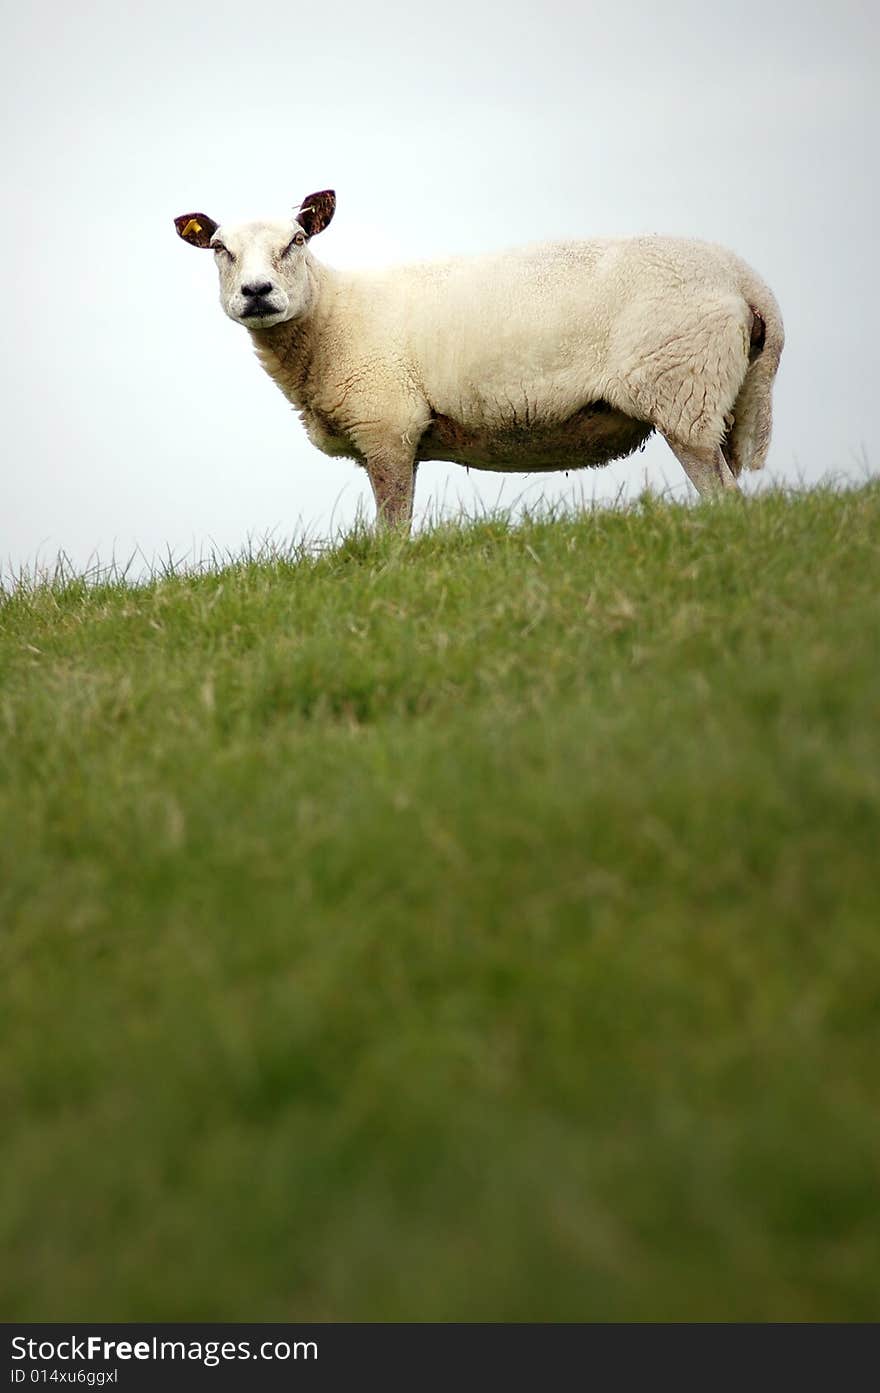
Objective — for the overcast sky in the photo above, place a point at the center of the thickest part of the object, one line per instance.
(136, 414)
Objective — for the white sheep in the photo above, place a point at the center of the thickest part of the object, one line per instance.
(550, 357)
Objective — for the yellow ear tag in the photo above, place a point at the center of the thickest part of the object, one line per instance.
(192, 226)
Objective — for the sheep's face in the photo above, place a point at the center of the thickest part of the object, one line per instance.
(263, 266)
(263, 272)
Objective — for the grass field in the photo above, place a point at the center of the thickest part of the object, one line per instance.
(486, 927)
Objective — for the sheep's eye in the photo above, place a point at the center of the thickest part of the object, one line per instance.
(297, 241)
(219, 247)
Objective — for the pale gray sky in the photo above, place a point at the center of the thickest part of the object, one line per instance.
(136, 414)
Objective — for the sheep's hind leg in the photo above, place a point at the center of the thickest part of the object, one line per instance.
(706, 468)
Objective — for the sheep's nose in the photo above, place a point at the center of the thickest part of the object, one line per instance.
(254, 289)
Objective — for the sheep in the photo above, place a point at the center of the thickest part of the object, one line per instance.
(554, 356)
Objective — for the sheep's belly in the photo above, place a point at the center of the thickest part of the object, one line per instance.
(592, 437)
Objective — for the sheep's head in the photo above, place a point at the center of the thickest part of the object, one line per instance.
(263, 266)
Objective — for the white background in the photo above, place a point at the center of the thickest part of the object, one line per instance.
(137, 416)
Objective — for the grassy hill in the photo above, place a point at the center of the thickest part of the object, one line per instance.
(479, 928)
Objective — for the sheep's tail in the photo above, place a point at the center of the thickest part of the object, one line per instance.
(748, 436)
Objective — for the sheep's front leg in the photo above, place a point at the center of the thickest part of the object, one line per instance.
(392, 476)
(706, 468)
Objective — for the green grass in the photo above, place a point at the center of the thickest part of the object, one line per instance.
(479, 928)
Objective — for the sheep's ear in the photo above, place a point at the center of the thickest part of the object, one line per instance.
(196, 228)
(316, 212)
